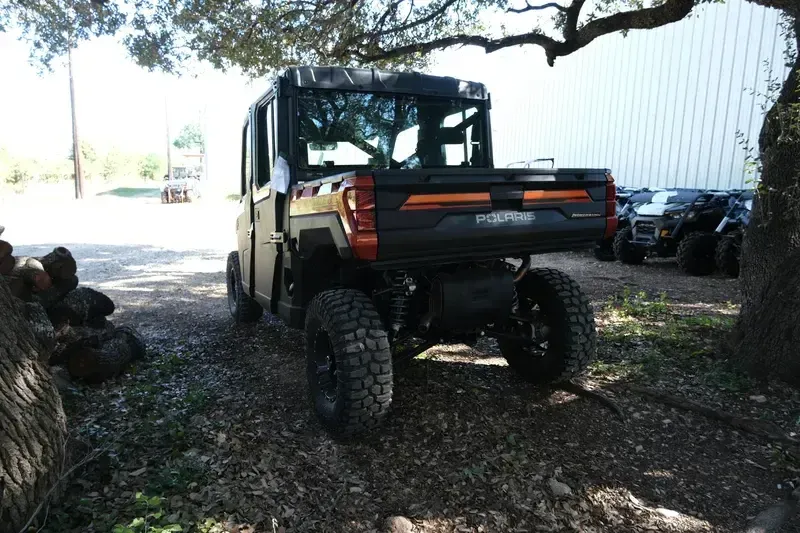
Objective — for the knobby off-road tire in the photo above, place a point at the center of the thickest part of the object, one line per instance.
(625, 250)
(572, 339)
(727, 256)
(349, 363)
(164, 198)
(696, 254)
(242, 307)
(604, 249)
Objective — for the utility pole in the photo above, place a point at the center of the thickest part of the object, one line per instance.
(169, 144)
(205, 143)
(76, 148)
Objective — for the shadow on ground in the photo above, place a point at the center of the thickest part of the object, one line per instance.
(133, 192)
(468, 447)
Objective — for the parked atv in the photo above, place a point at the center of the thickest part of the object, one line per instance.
(675, 223)
(184, 187)
(731, 232)
(628, 199)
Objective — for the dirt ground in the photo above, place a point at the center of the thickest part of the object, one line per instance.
(217, 430)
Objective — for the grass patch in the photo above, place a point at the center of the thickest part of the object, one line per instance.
(647, 339)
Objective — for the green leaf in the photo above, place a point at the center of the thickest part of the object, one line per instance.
(155, 501)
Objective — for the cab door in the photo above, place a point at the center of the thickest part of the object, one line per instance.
(244, 221)
(266, 206)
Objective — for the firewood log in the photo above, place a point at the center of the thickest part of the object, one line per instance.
(59, 263)
(6, 265)
(95, 364)
(83, 306)
(19, 288)
(61, 287)
(31, 271)
(5, 249)
(69, 338)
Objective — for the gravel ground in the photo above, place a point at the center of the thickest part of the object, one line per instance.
(218, 424)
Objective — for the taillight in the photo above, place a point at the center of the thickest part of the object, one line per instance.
(611, 206)
(362, 204)
(359, 216)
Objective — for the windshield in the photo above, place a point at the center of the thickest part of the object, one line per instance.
(349, 129)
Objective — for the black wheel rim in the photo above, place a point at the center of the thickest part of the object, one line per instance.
(232, 291)
(324, 365)
(536, 328)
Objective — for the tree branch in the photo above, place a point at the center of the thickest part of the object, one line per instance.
(571, 25)
(490, 45)
(575, 38)
(424, 20)
(529, 7)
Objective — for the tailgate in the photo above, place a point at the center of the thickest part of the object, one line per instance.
(473, 213)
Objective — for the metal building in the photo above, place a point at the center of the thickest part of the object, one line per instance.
(674, 106)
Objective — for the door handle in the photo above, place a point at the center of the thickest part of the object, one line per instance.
(250, 231)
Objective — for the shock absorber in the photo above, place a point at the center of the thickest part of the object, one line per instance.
(515, 301)
(402, 288)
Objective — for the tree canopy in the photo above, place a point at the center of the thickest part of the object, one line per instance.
(190, 138)
(261, 36)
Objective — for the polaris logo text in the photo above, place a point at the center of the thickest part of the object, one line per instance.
(500, 218)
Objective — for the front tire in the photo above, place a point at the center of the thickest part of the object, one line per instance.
(349, 363)
(560, 310)
(696, 254)
(727, 255)
(242, 307)
(625, 250)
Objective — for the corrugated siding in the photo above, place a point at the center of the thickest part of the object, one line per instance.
(659, 107)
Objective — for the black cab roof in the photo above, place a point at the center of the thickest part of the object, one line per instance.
(375, 80)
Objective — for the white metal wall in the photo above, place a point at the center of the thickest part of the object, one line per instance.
(659, 107)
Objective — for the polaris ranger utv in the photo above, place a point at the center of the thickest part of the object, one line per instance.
(372, 217)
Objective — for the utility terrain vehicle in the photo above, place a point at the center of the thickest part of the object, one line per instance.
(731, 232)
(372, 217)
(675, 223)
(628, 199)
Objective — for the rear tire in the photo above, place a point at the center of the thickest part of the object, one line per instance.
(604, 250)
(164, 198)
(625, 250)
(571, 341)
(349, 363)
(727, 255)
(242, 307)
(696, 254)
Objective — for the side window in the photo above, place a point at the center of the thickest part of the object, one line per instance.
(266, 143)
(247, 168)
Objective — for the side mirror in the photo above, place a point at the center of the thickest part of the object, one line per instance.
(322, 147)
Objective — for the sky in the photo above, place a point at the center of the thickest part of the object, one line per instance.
(121, 105)
(662, 107)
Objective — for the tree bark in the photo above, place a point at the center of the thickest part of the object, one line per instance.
(32, 421)
(767, 336)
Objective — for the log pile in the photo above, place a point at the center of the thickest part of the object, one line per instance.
(70, 322)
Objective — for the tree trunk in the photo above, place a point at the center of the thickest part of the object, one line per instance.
(767, 336)
(32, 421)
